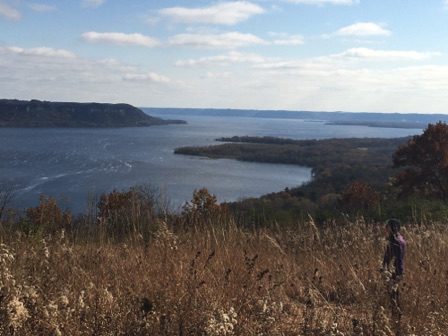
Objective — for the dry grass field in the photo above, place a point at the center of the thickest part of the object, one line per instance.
(215, 278)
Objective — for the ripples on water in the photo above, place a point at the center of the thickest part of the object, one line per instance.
(73, 163)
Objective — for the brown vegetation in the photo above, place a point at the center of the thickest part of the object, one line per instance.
(204, 273)
(425, 163)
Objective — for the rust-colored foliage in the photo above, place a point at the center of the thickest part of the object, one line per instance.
(425, 163)
(120, 210)
(48, 215)
(203, 208)
(359, 196)
(202, 204)
(114, 204)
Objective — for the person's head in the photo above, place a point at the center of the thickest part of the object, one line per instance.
(393, 226)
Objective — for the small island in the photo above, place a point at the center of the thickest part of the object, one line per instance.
(36, 113)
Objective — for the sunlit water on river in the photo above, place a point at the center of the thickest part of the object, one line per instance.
(70, 164)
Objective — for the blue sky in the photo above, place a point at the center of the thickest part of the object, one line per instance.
(319, 55)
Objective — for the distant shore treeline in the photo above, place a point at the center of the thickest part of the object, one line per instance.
(36, 113)
(372, 119)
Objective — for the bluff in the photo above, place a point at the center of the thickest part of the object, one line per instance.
(36, 113)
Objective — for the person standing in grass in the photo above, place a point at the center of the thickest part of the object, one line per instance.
(395, 250)
(395, 253)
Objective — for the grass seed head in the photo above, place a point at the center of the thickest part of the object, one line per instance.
(17, 313)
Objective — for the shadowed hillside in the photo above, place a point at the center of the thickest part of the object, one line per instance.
(35, 113)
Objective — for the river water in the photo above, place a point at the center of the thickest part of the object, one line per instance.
(70, 163)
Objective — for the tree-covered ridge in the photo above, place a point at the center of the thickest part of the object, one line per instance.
(341, 169)
(317, 154)
(35, 113)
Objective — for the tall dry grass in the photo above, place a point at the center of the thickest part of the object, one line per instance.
(215, 278)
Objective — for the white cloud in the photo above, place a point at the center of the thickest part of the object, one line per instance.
(41, 8)
(287, 39)
(324, 2)
(120, 39)
(9, 12)
(150, 76)
(346, 61)
(333, 82)
(50, 74)
(386, 55)
(41, 51)
(92, 3)
(326, 84)
(229, 40)
(217, 75)
(225, 13)
(222, 60)
(363, 29)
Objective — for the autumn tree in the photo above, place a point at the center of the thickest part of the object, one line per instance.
(202, 204)
(47, 216)
(424, 163)
(124, 212)
(202, 208)
(359, 196)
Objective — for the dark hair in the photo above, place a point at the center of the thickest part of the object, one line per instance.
(394, 225)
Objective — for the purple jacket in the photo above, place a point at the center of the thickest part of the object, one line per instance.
(395, 250)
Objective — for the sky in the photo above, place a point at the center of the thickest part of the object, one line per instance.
(315, 55)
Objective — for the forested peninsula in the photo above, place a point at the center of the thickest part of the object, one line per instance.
(335, 163)
(36, 113)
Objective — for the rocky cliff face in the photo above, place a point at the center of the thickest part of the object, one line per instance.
(35, 113)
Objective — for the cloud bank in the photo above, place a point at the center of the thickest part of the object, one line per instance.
(8, 12)
(120, 39)
(225, 13)
(363, 29)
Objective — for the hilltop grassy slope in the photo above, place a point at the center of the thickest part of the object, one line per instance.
(217, 279)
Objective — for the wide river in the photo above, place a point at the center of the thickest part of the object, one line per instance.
(74, 164)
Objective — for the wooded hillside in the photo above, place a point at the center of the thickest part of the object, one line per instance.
(36, 113)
